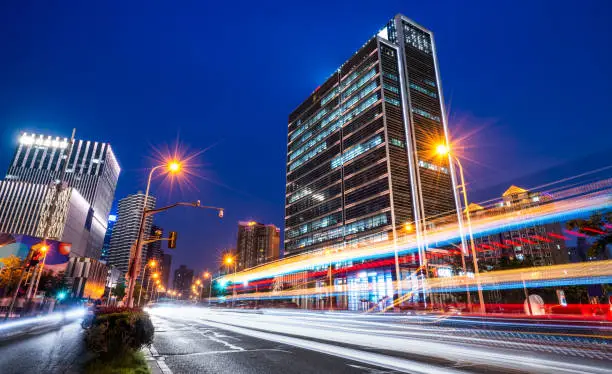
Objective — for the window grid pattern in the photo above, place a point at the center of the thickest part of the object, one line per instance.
(356, 151)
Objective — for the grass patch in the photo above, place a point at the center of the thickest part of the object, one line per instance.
(127, 363)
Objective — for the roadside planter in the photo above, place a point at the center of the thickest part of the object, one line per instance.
(116, 335)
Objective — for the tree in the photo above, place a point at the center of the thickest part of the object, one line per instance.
(10, 272)
(597, 227)
(506, 263)
(52, 283)
(119, 291)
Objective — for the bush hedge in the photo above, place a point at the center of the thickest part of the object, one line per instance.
(115, 331)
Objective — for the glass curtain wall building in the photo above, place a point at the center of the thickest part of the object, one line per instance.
(91, 169)
(361, 160)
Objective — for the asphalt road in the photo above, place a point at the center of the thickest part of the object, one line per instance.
(190, 340)
(199, 340)
(58, 350)
(196, 347)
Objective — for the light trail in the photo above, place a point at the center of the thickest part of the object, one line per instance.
(51, 318)
(570, 203)
(595, 272)
(414, 345)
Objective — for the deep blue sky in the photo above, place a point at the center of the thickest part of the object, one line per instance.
(531, 79)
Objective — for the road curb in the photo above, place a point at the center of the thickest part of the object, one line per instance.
(156, 363)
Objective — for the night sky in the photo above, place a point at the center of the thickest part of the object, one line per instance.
(529, 82)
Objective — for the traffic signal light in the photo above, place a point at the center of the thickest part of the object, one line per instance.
(172, 240)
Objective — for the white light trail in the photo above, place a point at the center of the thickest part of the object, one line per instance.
(332, 336)
(601, 199)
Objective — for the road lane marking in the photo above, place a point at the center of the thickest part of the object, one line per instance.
(375, 359)
(371, 370)
(221, 341)
(230, 351)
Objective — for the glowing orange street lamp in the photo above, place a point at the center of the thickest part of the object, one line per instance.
(174, 166)
(228, 261)
(442, 149)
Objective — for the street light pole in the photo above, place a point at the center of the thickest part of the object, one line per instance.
(144, 276)
(210, 290)
(135, 266)
(234, 293)
(469, 225)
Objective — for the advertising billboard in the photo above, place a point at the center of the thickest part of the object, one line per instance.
(19, 245)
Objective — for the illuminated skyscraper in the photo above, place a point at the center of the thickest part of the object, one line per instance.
(361, 160)
(91, 169)
(126, 229)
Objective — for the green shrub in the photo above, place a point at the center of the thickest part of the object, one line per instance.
(115, 333)
(128, 363)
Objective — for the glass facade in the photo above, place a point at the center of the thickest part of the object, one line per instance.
(358, 163)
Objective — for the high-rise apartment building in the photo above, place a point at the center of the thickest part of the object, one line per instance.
(257, 244)
(361, 159)
(126, 230)
(536, 245)
(112, 218)
(91, 169)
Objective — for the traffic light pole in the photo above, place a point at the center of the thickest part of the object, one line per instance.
(134, 269)
(21, 276)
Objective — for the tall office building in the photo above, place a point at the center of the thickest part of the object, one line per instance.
(183, 277)
(257, 244)
(91, 169)
(361, 157)
(24, 210)
(165, 269)
(154, 249)
(112, 218)
(126, 229)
